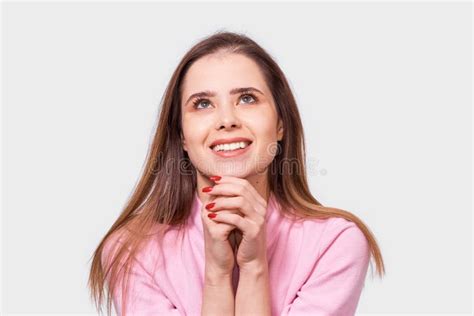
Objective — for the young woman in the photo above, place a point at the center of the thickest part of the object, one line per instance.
(222, 221)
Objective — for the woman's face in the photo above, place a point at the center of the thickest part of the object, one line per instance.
(222, 113)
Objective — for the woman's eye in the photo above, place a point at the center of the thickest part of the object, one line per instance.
(199, 102)
(248, 96)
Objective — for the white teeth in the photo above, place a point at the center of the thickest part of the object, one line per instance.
(231, 146)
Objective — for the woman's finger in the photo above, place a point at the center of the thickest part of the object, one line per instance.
(237, 204)
(243, 185)
(230, 190)
(233, 219)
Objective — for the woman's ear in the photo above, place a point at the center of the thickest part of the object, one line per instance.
(183, 142)
(280, 130)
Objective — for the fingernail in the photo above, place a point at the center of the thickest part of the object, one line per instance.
(211, 215)
(207, 189)
(215, 178)
(210, 205)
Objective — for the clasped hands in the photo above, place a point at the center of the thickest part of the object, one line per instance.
(248, 210)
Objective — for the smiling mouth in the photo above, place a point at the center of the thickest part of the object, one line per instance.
(223, 148)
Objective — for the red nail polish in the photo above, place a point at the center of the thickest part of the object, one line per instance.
(215, 178)
(210, 205)
(211, 215)
(207, 189)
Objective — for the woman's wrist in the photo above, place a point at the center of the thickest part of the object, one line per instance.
(218, 281)
(255, 267)
(216, 276)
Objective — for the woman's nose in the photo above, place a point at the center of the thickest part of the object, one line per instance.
(227, 117)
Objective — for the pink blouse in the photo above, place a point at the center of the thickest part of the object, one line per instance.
(316, 267)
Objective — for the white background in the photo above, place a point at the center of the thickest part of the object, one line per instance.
(384, 91)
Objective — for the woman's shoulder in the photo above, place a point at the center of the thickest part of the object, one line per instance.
(146, 254)
(342, 236)
(332, 225)
(333, 233)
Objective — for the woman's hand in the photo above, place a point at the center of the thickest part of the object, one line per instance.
(219, 254)
(240, 196)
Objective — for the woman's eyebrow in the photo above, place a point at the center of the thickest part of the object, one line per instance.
(208, 93)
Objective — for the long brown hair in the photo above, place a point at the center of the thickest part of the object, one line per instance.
(163, 196)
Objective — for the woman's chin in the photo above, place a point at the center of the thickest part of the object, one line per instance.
(233, 172)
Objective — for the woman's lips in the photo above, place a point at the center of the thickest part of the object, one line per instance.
(232, 153)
